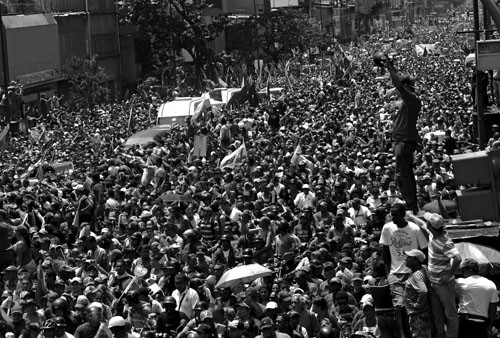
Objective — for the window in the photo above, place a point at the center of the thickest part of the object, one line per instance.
(105, 44)
(101, 4)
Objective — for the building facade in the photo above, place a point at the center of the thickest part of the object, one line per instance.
(40, 44)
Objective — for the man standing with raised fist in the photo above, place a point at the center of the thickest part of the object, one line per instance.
(404, 133)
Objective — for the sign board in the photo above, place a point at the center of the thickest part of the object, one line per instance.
(488, 54)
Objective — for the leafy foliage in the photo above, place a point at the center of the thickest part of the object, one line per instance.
(286, 31)
(86, 80)
(168, 26)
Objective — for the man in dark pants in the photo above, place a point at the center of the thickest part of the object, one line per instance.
(404, 134)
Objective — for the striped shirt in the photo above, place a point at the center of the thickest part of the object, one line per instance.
(441, 252)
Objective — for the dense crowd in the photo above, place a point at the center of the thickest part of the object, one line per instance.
(133, 241)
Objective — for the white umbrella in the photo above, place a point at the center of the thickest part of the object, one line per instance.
(482, 254)
(242, 275)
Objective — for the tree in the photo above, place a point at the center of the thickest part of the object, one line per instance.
(285, 30)
(86, 81)
(168, 26)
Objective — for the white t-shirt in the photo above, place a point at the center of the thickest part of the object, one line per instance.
(475, 294)
(400, 240)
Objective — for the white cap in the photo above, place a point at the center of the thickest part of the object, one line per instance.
(117, 321)
(271, 305)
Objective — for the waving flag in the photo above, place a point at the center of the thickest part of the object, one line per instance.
(4, 138)
(297, 157)
(234, 159)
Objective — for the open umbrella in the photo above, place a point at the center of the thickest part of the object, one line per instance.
(242, 275)
(450, 206)
(482, 254)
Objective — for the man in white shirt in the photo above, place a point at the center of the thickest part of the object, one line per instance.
(305, 198)
(478, 299)
(397, 237)
(360, 214)
(186, 297)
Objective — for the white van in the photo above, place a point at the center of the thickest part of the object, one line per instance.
(178, 110)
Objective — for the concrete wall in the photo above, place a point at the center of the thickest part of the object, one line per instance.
(243, 7)
(33, 47)
(72, 36)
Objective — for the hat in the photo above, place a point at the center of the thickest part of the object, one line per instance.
(10, 268)
(367, 298)
(435, 220)
(470, 263)
(293, 313)
(59, 281)
(243, 304)
(203, 328)
(271, 305)
(347, 246)
(335, 280)
(75, 280)
(79, 187)
(368, 302)
(17, 309)
(82, 302)
(328, 265)
(96, 304)
(206, 314)
(266, 323)
(306, 186)
(117, 321)
(416, 253)
(284, 296)
(346, 260)
(357, 276)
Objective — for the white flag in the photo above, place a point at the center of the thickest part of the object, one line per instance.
(234, 159)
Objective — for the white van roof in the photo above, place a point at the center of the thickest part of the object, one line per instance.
(183, 106)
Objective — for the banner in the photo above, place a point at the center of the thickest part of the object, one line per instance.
(200, 145)
(426, 49)
(63, 166)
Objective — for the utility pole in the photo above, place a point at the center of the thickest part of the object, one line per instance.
(480, 104)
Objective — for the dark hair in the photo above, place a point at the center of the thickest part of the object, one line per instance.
(400, 207)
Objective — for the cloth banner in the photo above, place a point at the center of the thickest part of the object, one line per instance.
(63, 166)
(200, 145)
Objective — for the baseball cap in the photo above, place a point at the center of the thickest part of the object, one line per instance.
(117, 321)
(306, 186)
(435, 220)
(16, 309)
(416, 253)
(357, 276)
(10, 268)
(206, 314)
(271, 305)
(284, 296)
(368, 302)
(76, 280)
(82, 302)
(266, 323)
